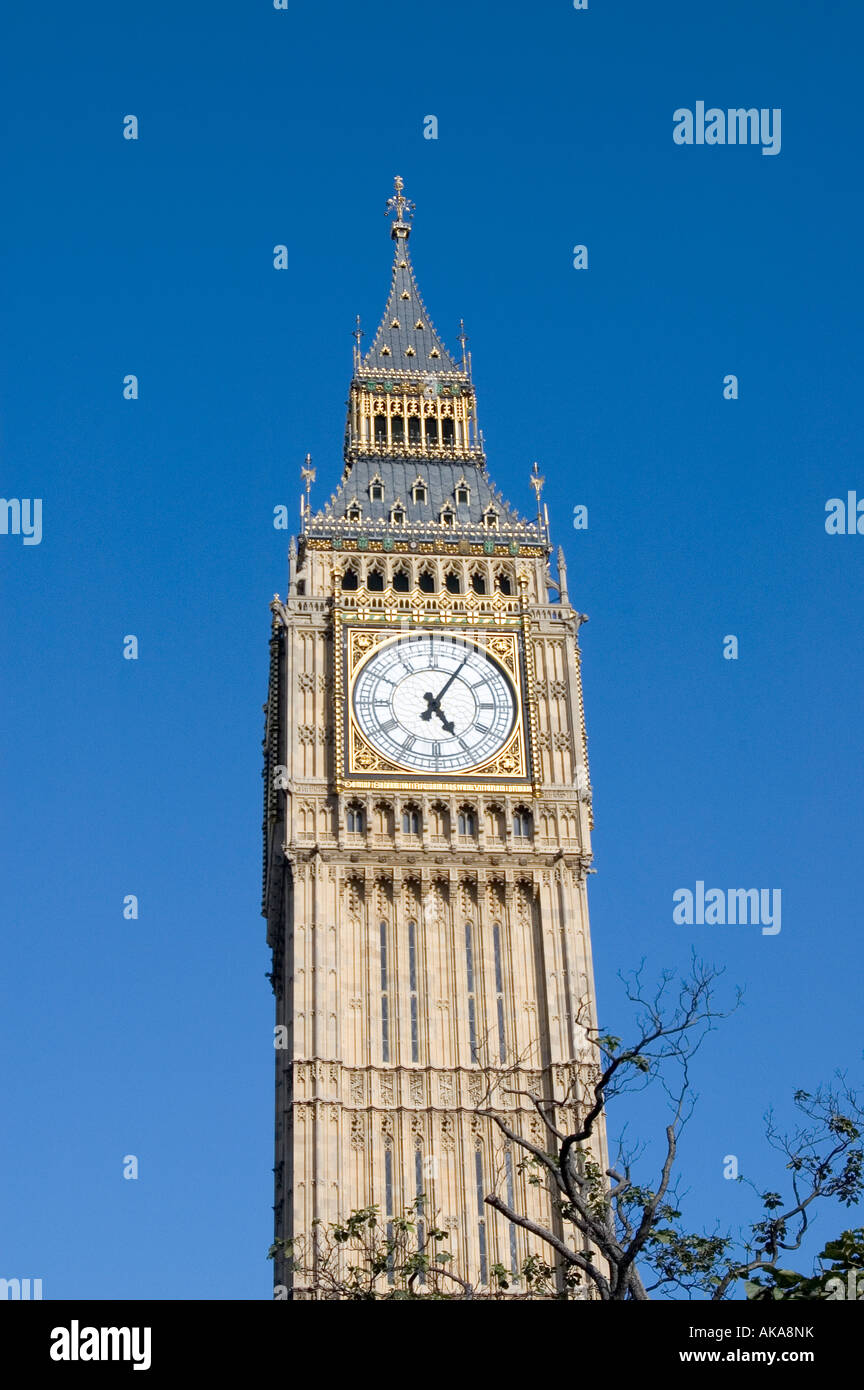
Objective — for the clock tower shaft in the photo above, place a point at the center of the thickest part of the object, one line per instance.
(427, 910)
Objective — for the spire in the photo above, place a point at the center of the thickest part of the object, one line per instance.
(406, 340)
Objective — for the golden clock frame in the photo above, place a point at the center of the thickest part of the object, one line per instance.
(358, 766)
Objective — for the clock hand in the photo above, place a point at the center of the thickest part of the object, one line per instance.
(446, 687)
(449, 727)
(433, 707)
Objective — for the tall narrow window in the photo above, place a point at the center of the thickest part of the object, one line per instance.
(388, 1202)
(412, 990)
(508, 1166)
(499, 992)
(481, 1213)
(385, 998)
(472, 1014)
(421, 1205)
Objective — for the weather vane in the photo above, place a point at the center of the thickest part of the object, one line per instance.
(307, 473)
(537, 480)
(399, 204)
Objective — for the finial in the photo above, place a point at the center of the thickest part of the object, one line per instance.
(537, 480)
(463, 338)
(307, 473)
(563, 596)
(357, 335)
(401, 209)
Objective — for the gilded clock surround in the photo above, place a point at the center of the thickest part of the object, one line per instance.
(510, 763)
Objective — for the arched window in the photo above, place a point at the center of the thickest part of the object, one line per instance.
(478, 582)
(467, 821)
(508, 1170)
(469, 972)
(354, 818)
(522, 822)
(410, 820)
(504, 584)
(499, 991)
(375, 581)
(349, 579)
(412, 991)
(413, 429)
(385, 995)
(397, 429)
(447, 430)
(401, 582)
(453, 583)
(427, 582)
(480, 1188)
(431, 431)
(383, 818)
(380, 429)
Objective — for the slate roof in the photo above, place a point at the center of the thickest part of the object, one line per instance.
(407, 346)
(398, 477)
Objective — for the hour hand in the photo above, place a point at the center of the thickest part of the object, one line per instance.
(433, 706)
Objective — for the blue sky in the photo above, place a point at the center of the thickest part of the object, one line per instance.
(706, 518)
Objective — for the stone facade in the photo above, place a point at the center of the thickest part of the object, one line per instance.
(430, 937)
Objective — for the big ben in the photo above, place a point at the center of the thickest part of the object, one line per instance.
(427, 815)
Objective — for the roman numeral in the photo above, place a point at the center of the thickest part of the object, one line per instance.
(385, 728)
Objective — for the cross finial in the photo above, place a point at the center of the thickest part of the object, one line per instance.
(358, 332)
(537, 480)
(399, 205)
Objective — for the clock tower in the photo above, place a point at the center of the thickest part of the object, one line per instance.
(427, 816)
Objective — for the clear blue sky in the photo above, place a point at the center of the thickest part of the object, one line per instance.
(706, 517)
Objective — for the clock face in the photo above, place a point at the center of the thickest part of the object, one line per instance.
(434, 703)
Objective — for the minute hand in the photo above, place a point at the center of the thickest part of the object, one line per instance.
(444, 689)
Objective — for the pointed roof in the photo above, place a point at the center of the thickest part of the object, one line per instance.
(406, 339)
